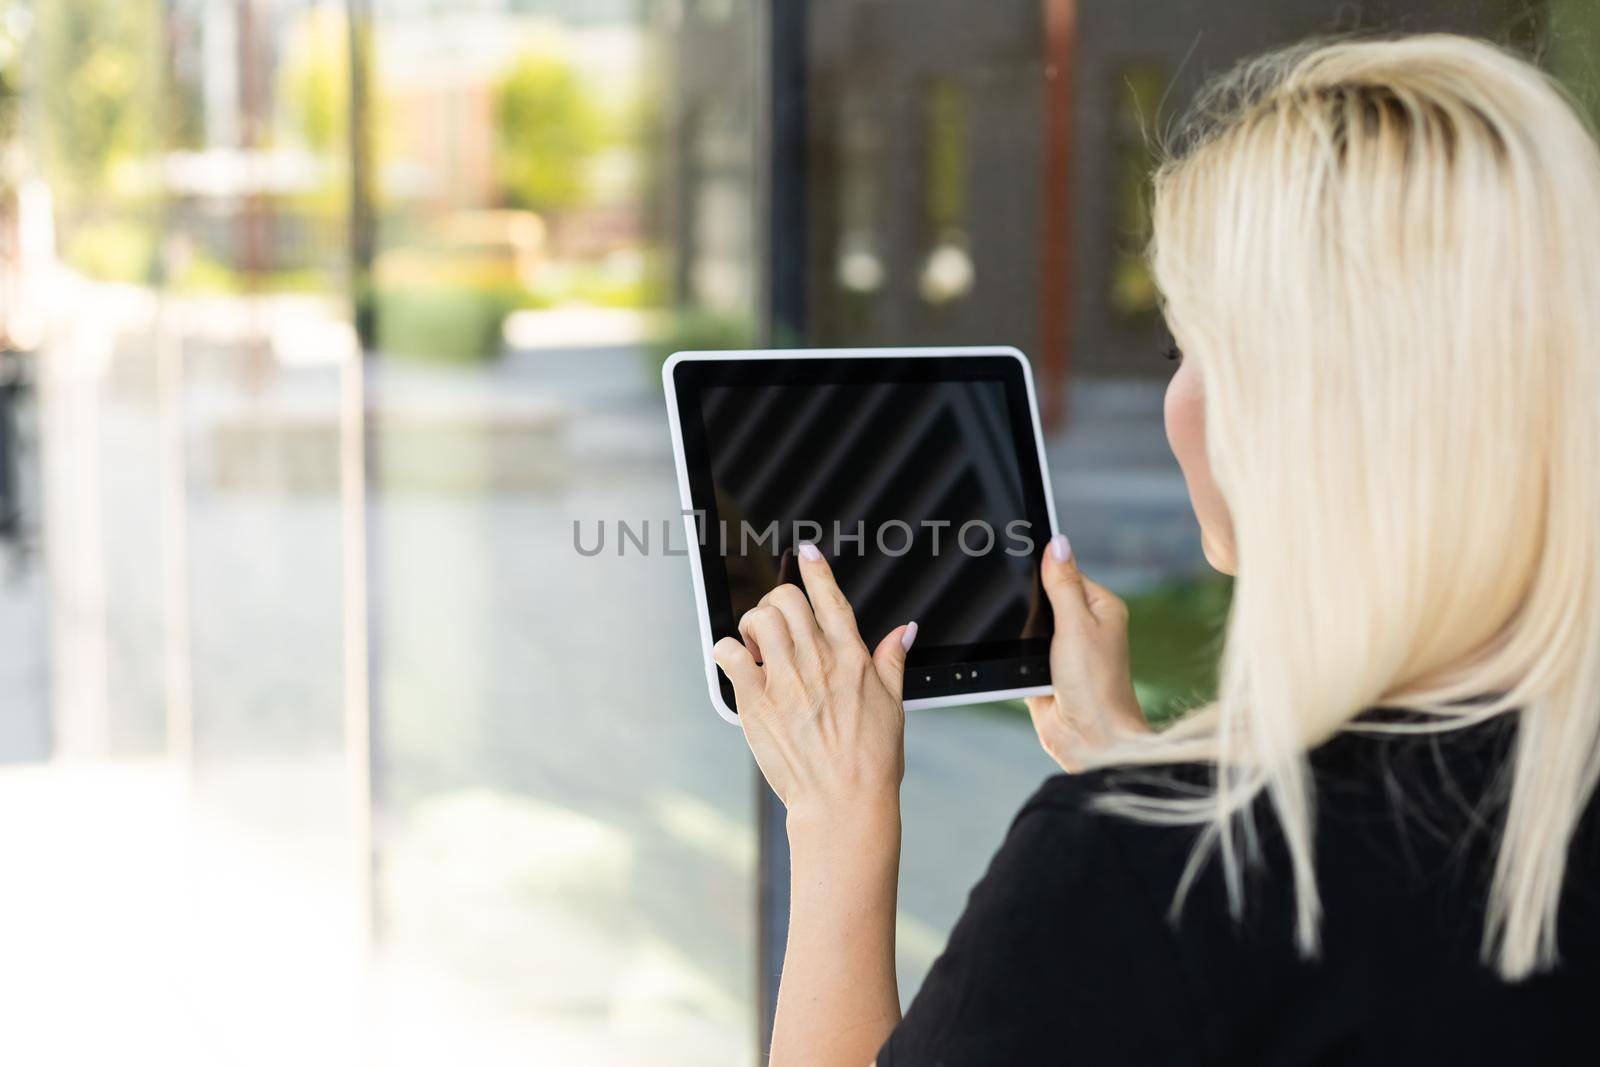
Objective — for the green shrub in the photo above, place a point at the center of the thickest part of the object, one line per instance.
(113, 250)
(1174, 639)
(444, 324)
(693, 330)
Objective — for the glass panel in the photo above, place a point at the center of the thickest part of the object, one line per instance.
(327, 327)
(179, 360)
(567, 826)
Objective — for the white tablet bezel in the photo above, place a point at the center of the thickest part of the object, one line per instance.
(702, 605)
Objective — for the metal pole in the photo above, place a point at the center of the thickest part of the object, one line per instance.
(783, 180)
(173, 472)
(362, 562)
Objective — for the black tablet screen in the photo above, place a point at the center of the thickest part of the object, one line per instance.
(918, 478)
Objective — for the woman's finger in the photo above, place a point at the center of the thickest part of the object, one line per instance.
(741, 668)
(833, 612)
(766, 634)
(890, 657)
(791, 602)
(1063, 584)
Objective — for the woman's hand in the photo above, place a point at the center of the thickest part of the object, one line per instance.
(1093, 704)
(823, 716)
(825, 721)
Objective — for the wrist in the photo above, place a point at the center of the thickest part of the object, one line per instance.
(847, 852)
(859, 819)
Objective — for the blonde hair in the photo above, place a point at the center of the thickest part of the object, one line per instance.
(1385, 256)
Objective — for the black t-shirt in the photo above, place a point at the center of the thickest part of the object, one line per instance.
(1066, 952)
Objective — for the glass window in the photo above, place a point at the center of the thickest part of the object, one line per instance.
(328, 328)
(330, 338)
(567, 837)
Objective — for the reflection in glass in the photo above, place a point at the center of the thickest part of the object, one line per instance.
(1139, 92)
(947, 272)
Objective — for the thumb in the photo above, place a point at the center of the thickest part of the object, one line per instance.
(1103, 604)
(1063, 582)
(890, 657)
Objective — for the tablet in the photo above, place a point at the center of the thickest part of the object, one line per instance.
(920, 474)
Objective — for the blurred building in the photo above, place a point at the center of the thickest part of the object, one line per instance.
(974, 173)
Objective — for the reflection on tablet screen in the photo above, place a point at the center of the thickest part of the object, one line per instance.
(913, 489)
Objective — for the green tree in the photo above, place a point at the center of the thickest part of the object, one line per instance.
(315, 81)
(547, 129)
(10, 64)
(101, 99)
(99, 82)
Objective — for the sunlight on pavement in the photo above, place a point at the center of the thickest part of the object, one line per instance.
(189, 936)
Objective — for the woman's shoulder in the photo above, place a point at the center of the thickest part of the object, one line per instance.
(1085, 791)
(1071, 831)
(1403, 773)
(1087, 802)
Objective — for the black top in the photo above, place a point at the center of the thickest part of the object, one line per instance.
(1065, 953)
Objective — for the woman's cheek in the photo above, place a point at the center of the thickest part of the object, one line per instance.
(1185, 419)
(1185, 414)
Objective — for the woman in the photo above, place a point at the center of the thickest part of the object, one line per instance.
(1381, 262)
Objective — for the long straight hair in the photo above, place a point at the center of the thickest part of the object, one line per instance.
(1385, 257)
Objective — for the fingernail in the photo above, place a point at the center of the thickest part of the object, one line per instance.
(1060, 548)
(908, 637)
(808, 552)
